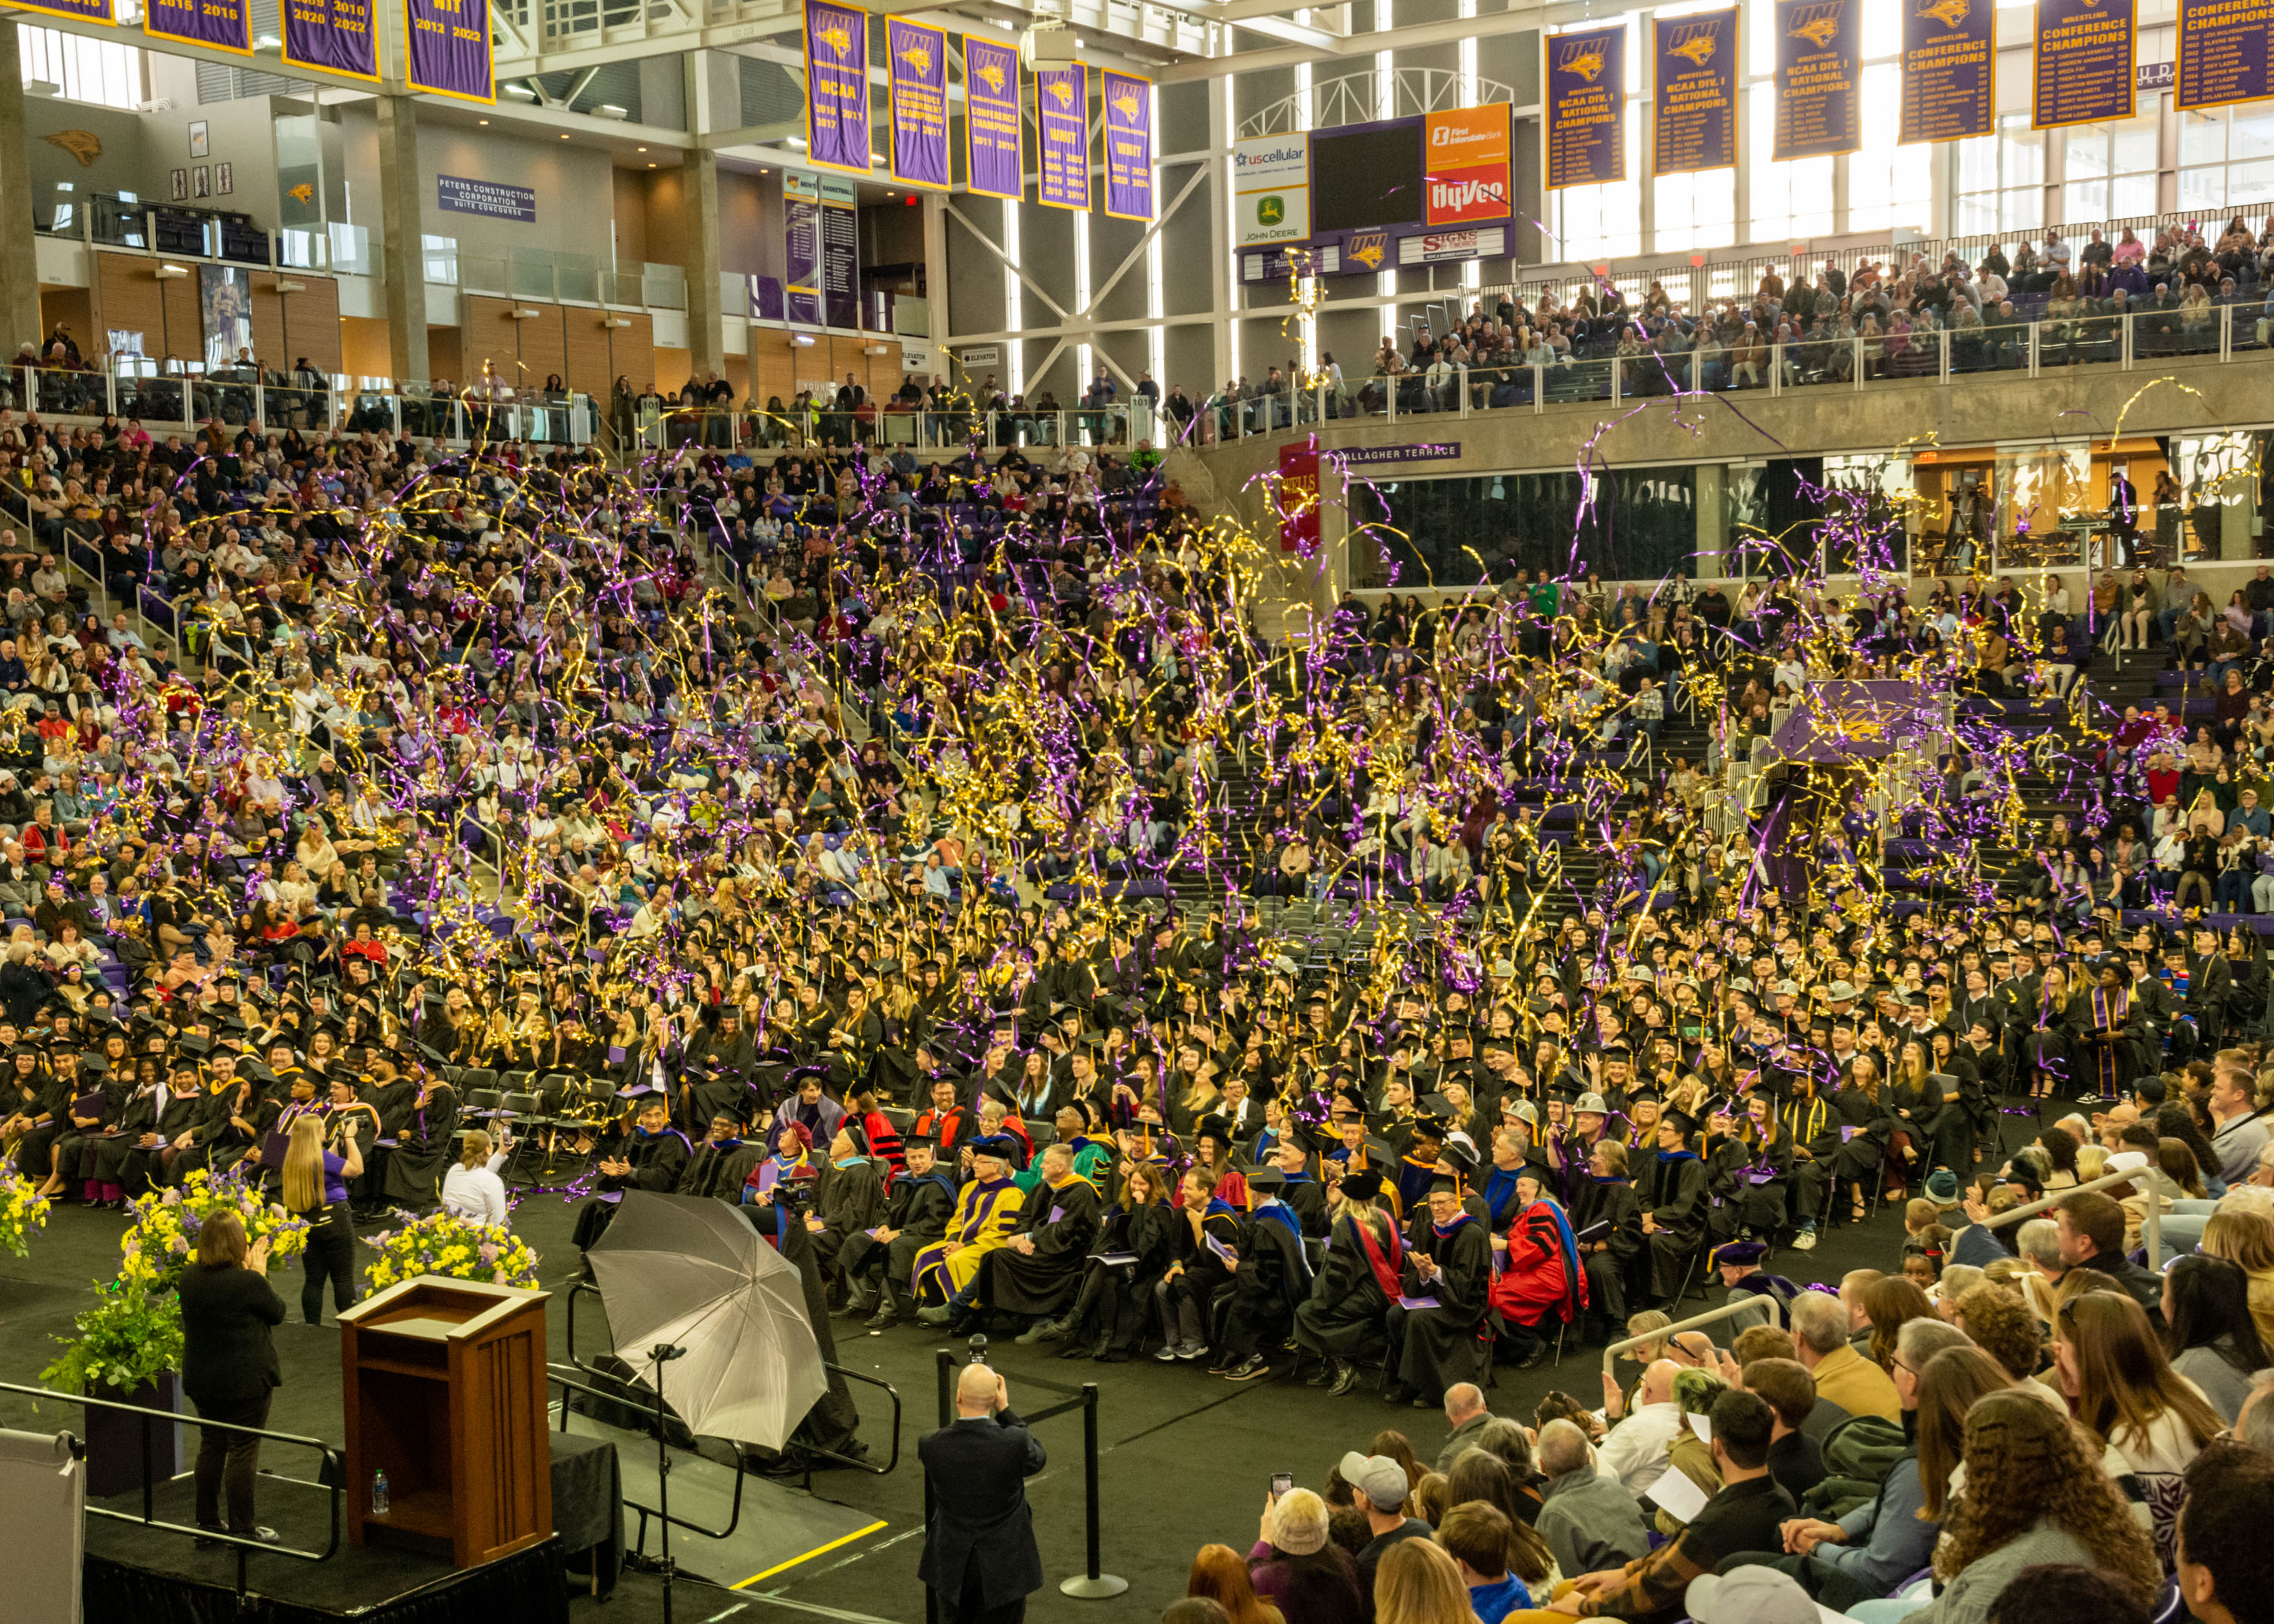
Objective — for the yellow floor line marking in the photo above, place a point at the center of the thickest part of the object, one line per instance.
(846, 1539)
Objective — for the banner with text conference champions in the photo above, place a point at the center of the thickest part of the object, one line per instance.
(1585, 74)
(994, 159)
(1950, 57)
(1819, 79)
(837, 87)
(337, 36)
(86, 11)
(447, 44)
(2083, 63)
(1062, 136)
(2223, 51)
(917, 73)
(1694, 61)
(225, 25)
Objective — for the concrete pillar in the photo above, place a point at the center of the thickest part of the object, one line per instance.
(706, 326)
(2237, 508)
(1712, 521)
(1219, 199)
(402, 239)
(935, 239)
(19, 260)
(1334, 533)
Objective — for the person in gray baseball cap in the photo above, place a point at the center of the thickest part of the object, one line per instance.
(1382, 1487)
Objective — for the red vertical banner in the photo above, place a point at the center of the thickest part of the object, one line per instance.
(1298, 497)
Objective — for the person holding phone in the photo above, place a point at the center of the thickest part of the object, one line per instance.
(228, 1367)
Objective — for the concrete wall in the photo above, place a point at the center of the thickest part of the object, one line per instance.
(570, 182)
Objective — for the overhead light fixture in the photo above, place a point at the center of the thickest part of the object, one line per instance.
(801, 341)
(524, 314)
(168, 273)
(617, 321)
(796, 141)
(269, 41)
(643, 149)
(564, 135)
(485, 121)
(41, 87)
(609, 110)
(651, 165)
(292, 287)
(521, 91)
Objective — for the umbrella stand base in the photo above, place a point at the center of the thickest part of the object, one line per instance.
(1083, 1587)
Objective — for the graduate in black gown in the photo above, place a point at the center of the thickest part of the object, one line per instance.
(1673, 1196)
(1444, 1339)
(1270, 1278)
(1350, 1302)
(1135, 1240)
(424, 1143)
(834, 1420)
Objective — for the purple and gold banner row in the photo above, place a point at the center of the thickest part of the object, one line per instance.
(2224, 46)
(1062, 137)
(837, 87)
(1695, 84)
(1585, 74)
(1129, 144)
(994, 121)
(1950, 71)
(1820, 70)
(2083, 63)
(917, 73)
(224, 24)
(332, 36)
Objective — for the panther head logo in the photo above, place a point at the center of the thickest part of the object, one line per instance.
(991, 74)
(918, 57)
(1586, 61)
(1698, 48)
(1062, 94)
(1819, 27)
(838, 38)
(1125, 102)
(1949, 13)
(83, 145)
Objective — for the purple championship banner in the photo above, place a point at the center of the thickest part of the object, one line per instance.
(1694, 63)
(1950, 71)
(994, 140)
(2223, 51)
(86, 11)
(2083, 60)
(1129, 145)
(837, 87)
(1819, 79)
(448, 44)
(1062, 129)
(1586, 76)
(917, 75)
(225, 25)
(335, 36)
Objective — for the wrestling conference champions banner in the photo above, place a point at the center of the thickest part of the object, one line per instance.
(1129, 144)
(86, 11)
(447, 46)
(337, 36)
(2083, 63)
(1694, 68)
(1062, 137)
(1950, 72)
(1819, 79)
(994, 160)
(837, 87)
(1586, 76)
(225, 25)
(917, 77)
(2223, 51)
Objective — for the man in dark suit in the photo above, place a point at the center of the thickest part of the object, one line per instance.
(979, 1552)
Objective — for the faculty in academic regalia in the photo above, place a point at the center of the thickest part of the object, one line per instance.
(1542, 1283)
(1739, 1263)
(1203, 1246)
(1443, 1339)
(1039, 1268)
(1609, 1214)
(1352, 1295)
(878, 1263)
(651, 1157)
(986, 1214)
(1673, 1196)
(1303, 1195)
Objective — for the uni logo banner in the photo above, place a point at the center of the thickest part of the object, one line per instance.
(1586, 77)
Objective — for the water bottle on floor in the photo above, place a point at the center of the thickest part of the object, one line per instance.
(379, 1494)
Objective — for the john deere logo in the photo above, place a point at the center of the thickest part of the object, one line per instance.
(1270, 211)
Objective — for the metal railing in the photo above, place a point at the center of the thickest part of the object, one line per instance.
(2151, 1228)
(266, 402)
(1712, 1316)
(330, 1482)
(749, 428)
(2126, 343)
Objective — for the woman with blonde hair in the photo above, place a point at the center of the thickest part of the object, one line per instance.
(2245, 1237)
(1418, 1582)
(316, 1188)
(474, 1189)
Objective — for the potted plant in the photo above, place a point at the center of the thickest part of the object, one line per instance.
(441, 1243)
(164, 1233)
(128, 1347)
(23, 1210)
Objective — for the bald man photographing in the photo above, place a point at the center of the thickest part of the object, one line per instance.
(979, 1551)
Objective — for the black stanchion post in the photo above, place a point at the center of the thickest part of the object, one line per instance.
(945, 1362)
(1091, 1585)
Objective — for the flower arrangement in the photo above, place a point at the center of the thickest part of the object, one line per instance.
(133, 1335)
(442, 1243)
(166, 1225)
(22, 1210)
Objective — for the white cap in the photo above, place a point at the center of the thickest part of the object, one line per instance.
(1750, 1596)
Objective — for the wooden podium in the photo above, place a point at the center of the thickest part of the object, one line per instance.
(445, 1389)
